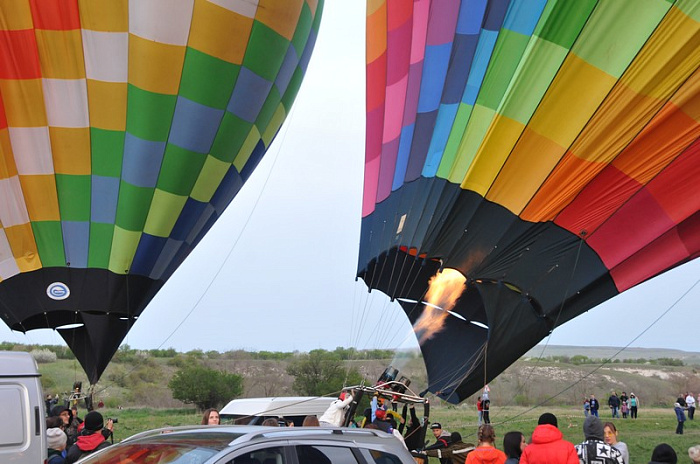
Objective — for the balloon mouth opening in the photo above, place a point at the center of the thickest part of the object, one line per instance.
(70, 326)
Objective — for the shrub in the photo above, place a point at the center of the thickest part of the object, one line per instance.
(43, 356)
(205, 387)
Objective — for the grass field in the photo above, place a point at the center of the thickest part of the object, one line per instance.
(653, 426)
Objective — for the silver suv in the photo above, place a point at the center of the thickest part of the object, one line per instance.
(244, 444)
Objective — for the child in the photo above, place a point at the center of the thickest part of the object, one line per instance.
(625, 409)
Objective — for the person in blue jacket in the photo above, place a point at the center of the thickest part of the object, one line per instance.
(680, 415)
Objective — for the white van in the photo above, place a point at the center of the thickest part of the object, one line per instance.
(23, 426)
(253, 411)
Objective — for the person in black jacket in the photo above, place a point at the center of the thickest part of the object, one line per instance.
(92, 438)
(614, 404)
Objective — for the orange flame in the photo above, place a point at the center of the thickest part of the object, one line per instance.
(444, 289)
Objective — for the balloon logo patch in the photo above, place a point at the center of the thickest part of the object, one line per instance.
(58, 291)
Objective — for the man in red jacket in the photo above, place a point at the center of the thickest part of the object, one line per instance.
(547, 445)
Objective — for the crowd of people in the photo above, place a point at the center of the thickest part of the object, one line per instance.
(623, 404)
(547, 446)
(69, 438)
(628, 406)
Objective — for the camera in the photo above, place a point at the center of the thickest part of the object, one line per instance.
(115, 420)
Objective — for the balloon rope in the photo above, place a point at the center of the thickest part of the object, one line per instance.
(609, 359)
(240, 233)
(561, 309)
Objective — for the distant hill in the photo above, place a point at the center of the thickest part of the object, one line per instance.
(604, 352)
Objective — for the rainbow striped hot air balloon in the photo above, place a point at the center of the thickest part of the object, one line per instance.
(548, 150)
(126, 128)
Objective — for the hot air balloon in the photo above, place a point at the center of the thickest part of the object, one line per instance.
(126, 128)
(546, 150)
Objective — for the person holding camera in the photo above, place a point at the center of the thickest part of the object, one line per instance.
(92, 438)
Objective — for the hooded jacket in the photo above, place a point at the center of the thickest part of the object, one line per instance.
(548, 446)
(87, 443)
(486, 455)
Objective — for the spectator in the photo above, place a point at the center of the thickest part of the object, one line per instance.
(663, 453)
(310, 421)
(486, 406)
(479, 410)
(92, 438)
(547, 445)
(680, 416)
(455, 453)
(486, 452)
(610, 433)
(624, 409)
(513, 445)
(75, 422)
(624, 405)
(66, 419)
(681, 400)
(593, 450)
(586, 407)
(614, 404)
(56, 439)
(690, 402)
(54, 422)
(595, 405)
(271, 422)
(211, 417)
(334, 415)
(694, 454)
(634, 404)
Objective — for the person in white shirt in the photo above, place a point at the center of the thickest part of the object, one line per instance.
(333, 417)
(690, 404)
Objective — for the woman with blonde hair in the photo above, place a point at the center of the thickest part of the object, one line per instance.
(486, 452)
(610, 436)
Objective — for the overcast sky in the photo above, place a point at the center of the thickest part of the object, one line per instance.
(277, 272)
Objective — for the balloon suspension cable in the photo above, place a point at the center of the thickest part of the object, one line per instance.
(607, 360)
(240, 233)
(228, 255)
(531, 370)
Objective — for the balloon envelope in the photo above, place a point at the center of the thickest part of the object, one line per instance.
(548, 150)
(126, 128)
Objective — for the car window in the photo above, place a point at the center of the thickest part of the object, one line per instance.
(309, 454)
(261, 456)
(380, 457)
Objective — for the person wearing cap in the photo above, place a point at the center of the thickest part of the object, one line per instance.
(594, 449)
(663, 454)
(92, 438)
(694, 454)
(442, 440)
(56, 440)
(455, 453)
(66, 416)
(548, 445)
